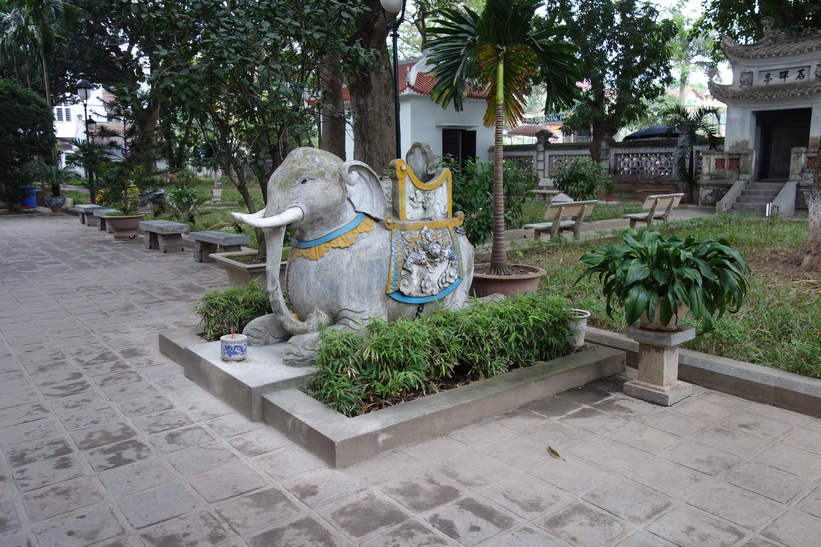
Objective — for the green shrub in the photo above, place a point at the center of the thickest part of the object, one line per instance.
(223, 309)
(473, 194)
(582, 179)
(390, 361)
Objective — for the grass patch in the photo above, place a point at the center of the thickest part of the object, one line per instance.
(778, 325)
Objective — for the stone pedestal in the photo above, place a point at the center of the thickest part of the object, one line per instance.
(658, 365)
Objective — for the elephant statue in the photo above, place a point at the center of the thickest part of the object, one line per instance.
(350, 260)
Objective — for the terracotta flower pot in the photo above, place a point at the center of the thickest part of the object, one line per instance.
(521, 282)
(656, 323)
(124, 226)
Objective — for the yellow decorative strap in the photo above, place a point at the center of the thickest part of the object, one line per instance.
(339, 242)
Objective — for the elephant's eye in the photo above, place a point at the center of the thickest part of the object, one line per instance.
(303, 181)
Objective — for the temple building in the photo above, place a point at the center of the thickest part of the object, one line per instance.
(773, 125)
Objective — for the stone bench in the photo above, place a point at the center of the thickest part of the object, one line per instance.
(658, 207)
(556, 213)
(86, 213)
(164, 235)
(546, 190)
(211, 241)
(100, 214)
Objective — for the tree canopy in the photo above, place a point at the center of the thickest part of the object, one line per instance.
(624, 60)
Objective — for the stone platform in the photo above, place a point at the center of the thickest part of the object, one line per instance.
(262, 388)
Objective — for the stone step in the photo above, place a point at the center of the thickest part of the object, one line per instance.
(753, 199)
(764, 194)
(746, 207)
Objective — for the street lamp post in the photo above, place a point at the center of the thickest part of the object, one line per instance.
(84, 89)
(397, 7)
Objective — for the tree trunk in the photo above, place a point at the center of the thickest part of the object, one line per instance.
(332, 110)
(812, 260)
(498, 253)
(372, 95)
(596, 136)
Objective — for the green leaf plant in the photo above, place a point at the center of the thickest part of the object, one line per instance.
(650, 272)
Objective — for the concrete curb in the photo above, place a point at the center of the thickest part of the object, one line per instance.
(746, 380)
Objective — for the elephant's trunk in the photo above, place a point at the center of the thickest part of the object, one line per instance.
(274, 239)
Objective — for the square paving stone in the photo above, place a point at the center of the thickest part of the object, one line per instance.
(305, 532)
(8, 518)
(386, 467)
(120, 393)
(629, 500)
(735, 504)
(675, 423)
(571, 474)
(553, 407)
(94, 416)
(579, 524)
(190, 530)
(526, 496)
(435, 450)
(99, 435)
(47, 472)
(288, 461)
(104, 370)
(128, 479)
(227, 482)
(758, 426)
(686, 525)
(625, 407)
(252, 512)
(645, 438)
(795, 529)
(80, 528)
(703, 409)
(767, 481)
(29, 431)
(23, 414)
(645, 539)
(479, 434)
(259, 441)
(669, 478)
(117, 454)
(703, 458)
(60, 498)
(558, 434)
(812, 503)
(157, 504)
(805, 439)
(324, 486)
(38, 450)
(792, 460)
(729, 440)
(75, 403)
(232, 424)
(470, 521)
(171, 441)
(423, 492)
(611, 455)
(586, 395)
(526, 537)
(474, 469)
(519, 419)
(410, 534)
(198, 459)
(364, 514)
(519, 451)
(146, 405)
(162, 421)
(18, 398)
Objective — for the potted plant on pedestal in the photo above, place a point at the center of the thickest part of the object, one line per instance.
(657, 280)
(505, 49)
(123, 193)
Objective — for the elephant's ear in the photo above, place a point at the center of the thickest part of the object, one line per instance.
(364, 190)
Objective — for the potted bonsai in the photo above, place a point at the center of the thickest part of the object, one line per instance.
(123, 193)
(504, 50)
(657, 280)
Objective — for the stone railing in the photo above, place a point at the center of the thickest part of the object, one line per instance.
(802, 164)
(724, 165)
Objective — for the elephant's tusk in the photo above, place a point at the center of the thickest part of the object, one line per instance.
(258, 220)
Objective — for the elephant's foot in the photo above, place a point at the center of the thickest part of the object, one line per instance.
(265, 330)
(300, 351)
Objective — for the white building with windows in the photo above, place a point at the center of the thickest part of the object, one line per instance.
(68, 120)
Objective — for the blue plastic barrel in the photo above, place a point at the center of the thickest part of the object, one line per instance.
(29, 201)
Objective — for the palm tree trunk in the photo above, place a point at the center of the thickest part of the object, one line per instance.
(498, 256)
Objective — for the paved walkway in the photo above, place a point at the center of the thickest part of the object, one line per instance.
(104, 441)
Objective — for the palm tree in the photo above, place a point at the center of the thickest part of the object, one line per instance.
(692, 123)
(504, 50)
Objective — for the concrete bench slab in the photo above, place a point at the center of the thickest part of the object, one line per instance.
(212, 241)
(563, 216)
(658, 207)
(100, 214)
(85, 212)
(164, 235)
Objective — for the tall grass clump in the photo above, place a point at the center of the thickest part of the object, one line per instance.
(222, 310)
(392, 361)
